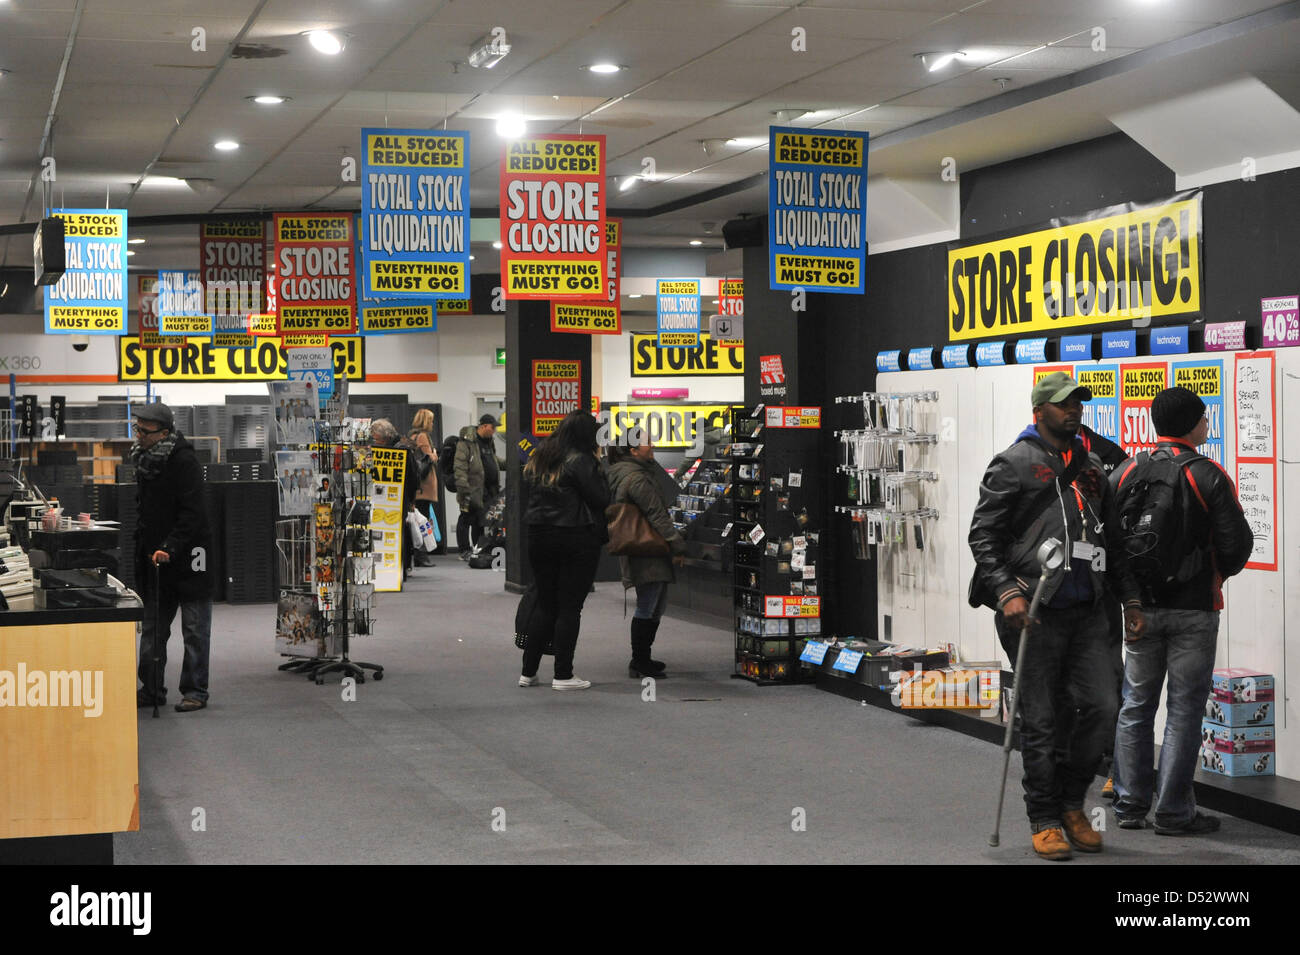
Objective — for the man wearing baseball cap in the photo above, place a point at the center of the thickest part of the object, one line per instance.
(1047, 485)
(172, 552)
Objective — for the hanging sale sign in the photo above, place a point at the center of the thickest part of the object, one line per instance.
(817, 210)
(600, 316)
(1112, 265)
(1139, 384)
(147, 303)
(1101, 414)
(678, 304)
(90, 298)
(1205, 378)
(706, 358)
(233, 271)
(414, 202)
(180, 305)
(557, 390)
(391, 318)
(454, 306)
(314, 287)
(552, 218)
(205, 359)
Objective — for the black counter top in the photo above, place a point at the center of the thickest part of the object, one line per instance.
(127, 609)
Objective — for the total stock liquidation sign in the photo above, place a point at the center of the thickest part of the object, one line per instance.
(91, 296)
(553, 218)
(817, 210)
(415, 209)
(1118, 264)
(314, 286)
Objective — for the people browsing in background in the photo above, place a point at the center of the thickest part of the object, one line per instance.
(426, 458)
(567, 496)
(636, 477)
(1047, 486)
(384, 435)
(1182, 595)
(478, 471)
(172, 550)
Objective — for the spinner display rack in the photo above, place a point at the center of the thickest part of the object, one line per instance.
(326, 559)
(704, 506)
(776, 516)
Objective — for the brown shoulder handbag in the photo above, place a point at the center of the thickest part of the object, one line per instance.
(630, 534)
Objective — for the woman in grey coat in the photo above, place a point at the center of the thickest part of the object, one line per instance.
(635, 476)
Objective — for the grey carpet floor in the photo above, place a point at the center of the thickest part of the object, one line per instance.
(421, 765)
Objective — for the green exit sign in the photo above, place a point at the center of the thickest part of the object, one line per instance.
(501, 357)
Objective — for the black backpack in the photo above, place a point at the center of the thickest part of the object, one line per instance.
(447, 461)
(1155, 520)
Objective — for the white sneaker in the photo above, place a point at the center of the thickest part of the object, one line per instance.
(573, 683)
(527, 680)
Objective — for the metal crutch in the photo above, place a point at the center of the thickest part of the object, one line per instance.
(1050, 556)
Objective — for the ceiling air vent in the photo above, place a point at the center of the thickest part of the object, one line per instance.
(257, 51)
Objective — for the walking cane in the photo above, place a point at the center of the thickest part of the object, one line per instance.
(157, 677)
(1050, 556)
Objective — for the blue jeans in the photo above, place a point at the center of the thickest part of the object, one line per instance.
(196, 630)
(651, 599)
(1180, 644)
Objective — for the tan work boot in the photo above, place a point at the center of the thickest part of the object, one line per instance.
(1108, 790)
(1051, 844)
(1080, 832)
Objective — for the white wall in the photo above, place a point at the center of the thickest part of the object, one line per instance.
(988, 407)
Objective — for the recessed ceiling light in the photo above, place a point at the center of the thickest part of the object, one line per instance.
(696, 242)
(790, 114)
(471, 258)
(130, 251)
(714, 146)
(268, 99)
(225, 145)
(628, 183)
(511, 126)
(329, 42)
(605, 68)
(496, 244)
(635, 295)
(135, 241)
(4, 72)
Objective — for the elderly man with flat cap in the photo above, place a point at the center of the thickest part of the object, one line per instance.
(172, 552)
(1047, 485)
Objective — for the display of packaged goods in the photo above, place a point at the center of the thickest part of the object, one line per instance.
(1237, 739)
(1237, 764)
(1241, 685)
(1240, 714)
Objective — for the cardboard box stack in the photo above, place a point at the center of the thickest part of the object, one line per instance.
(1237, 734)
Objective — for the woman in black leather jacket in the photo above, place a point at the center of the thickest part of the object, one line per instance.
(567, 497)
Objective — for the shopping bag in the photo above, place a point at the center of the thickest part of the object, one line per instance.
(421, 531)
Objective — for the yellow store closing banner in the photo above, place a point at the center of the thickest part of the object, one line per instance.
(202, 359)
(706, 358)
(1115, 265)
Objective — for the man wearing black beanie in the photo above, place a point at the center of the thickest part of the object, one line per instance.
(1181, 610)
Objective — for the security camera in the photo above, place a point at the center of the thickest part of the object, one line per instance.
(80, 342)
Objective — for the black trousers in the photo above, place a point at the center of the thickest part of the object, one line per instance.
(564, 565)
(469, 529)
(1068, 705)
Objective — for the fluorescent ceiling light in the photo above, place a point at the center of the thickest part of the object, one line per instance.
(130, 251)
(496, 244)
(714, 146)
(937, 60)
(268, 99)
(790, 114)
(488, 51)
(634, 295)
(605, 68)
(471, 258)
(135, 241)
(511, 126)
(627, 183)
(696, 242)
(328, 42)
(162, 181)
(225, 145)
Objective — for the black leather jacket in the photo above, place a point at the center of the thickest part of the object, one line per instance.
(1217, 526)
(578, 497)
(173, 516)
(1022, 504)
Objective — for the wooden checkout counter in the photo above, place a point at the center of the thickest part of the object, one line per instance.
(70, 775)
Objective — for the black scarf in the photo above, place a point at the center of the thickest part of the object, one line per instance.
(149, 463)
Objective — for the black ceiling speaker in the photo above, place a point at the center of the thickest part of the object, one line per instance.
(48, 254)
(745, 232)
